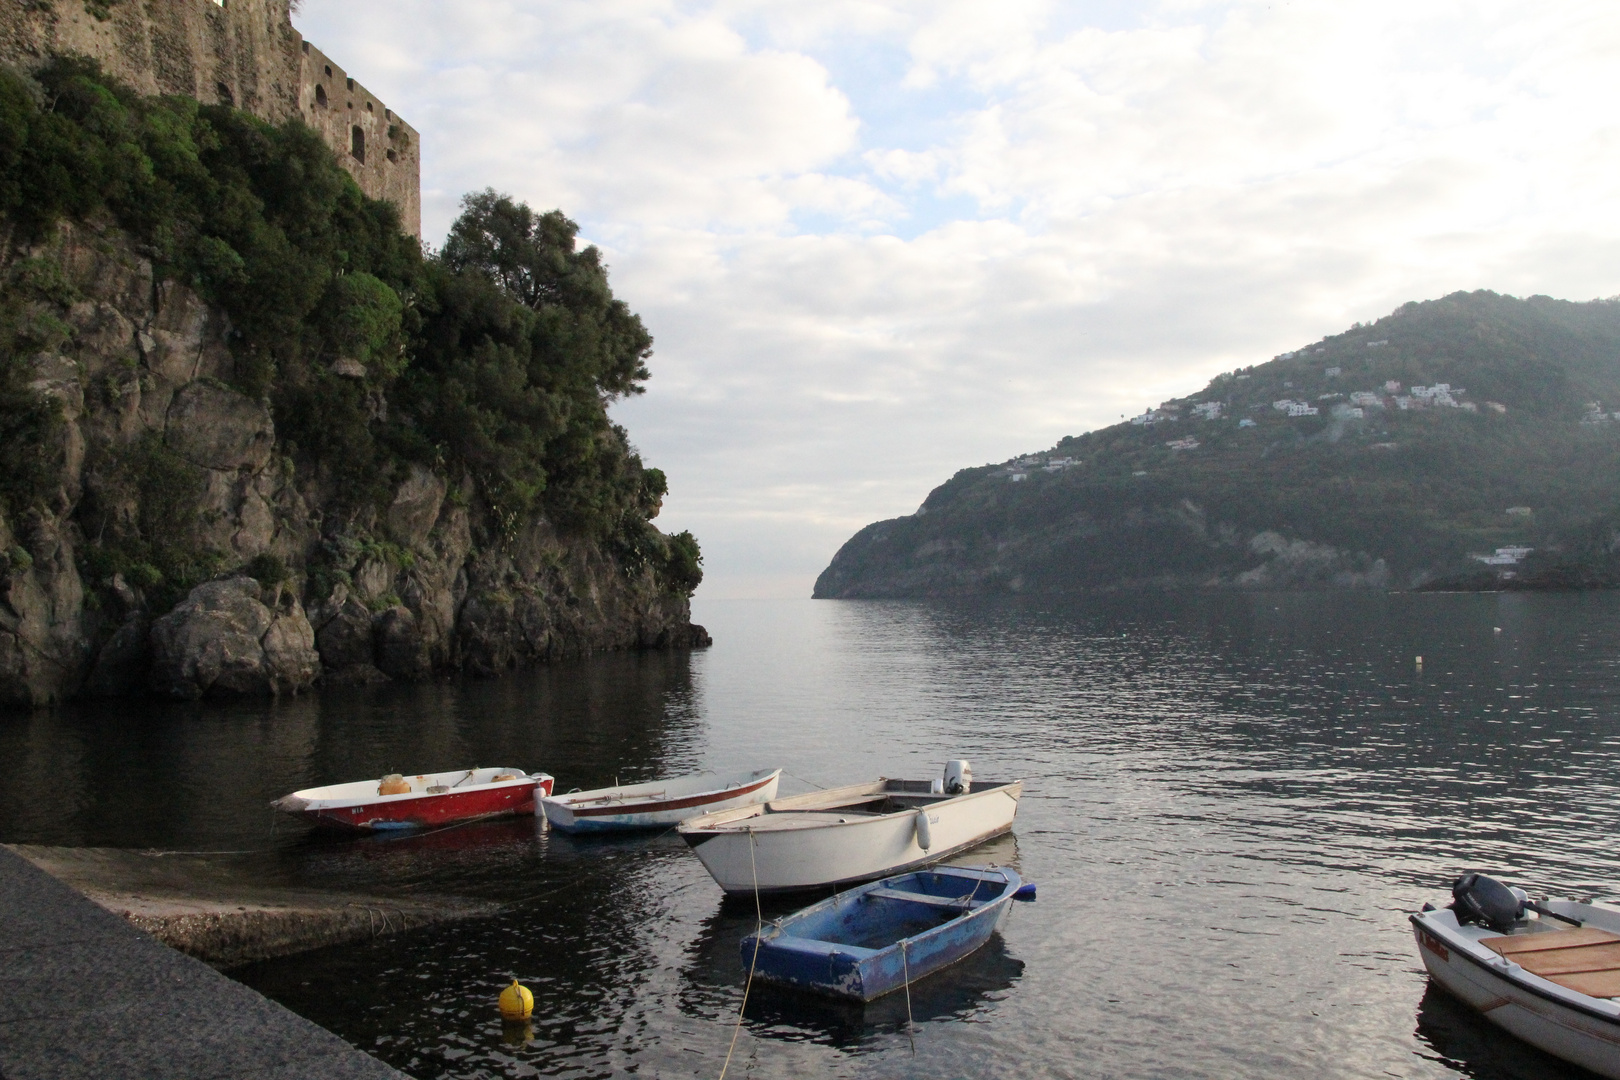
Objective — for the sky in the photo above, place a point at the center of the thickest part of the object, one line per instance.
(878, 242)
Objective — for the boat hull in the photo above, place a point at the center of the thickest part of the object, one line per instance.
(1580, 1030)
(747, 854)
(840, 968)
(342, 808)
(625, 810)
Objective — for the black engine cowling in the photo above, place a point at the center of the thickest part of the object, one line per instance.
(1479, 899)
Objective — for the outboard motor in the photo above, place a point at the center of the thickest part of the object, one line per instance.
(1479, 899)
(958, 778)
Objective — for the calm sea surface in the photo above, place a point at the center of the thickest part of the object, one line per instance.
(1231, 803)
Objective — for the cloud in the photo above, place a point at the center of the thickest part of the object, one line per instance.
(877, 242)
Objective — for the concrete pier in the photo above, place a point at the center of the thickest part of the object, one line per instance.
(85, 994)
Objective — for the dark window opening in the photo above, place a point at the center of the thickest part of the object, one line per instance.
(392, 156)
(306, 46)
(225, 95)
(369, 108)
(328, 71)
(388, 113)
(320, 95)
(357, 145)
(351, 84)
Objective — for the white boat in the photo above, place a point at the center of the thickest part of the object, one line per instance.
(851, 834)
(659, 804)
(1548, 971)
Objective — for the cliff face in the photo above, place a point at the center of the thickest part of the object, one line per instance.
(142, 371)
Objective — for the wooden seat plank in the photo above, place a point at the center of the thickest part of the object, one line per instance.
(1600, 984)
(920, 898)
(1568, 961)
(1575, 937)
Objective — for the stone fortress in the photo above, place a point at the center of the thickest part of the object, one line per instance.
(244, 53)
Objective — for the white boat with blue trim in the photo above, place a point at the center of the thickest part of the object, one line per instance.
(658, 804)
(1547, 971)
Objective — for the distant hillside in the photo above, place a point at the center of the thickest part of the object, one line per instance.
(1386, 456)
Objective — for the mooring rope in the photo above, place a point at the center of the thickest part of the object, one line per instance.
(905, 968)
(759, 929)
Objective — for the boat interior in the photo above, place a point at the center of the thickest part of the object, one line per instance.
(848, 804)
(904, 907)
(422, 784)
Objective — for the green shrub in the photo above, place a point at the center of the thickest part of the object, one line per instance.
(267, 569)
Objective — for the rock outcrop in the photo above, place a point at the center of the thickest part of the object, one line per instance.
(224, 639)
(144, 367)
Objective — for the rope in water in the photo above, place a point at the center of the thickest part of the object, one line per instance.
(905, 968)
(759, 929)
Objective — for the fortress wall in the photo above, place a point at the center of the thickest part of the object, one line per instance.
(244, 53)
(381, 150)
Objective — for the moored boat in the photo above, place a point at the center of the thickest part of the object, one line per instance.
(846, 835)
(659, 804)
(1547, 971)
(425, 800)
(878, 937)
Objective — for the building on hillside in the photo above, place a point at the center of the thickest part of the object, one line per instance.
(1504, 556)
(242, 53)
(1496, 406)
(1246, 422)
(1294, 408)
(1183, 444)
(1333, 372)
(1017, 476)
(1519, 511)
(1366, 399)
(1392, 387)
(1207, 410)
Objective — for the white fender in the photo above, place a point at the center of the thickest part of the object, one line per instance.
(925, 840)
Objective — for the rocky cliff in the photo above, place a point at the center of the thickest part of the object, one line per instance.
(142, 371)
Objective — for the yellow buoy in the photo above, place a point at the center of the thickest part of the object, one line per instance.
(516, 1002)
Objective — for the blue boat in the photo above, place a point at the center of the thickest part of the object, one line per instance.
(875, 938)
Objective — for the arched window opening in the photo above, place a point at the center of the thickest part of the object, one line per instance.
(320, 95)
(225, 95)
(357, 146)
(351, 84)
(392, 156)
(306, 46)
(369, 108)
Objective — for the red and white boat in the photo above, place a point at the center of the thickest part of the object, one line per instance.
(413, 802)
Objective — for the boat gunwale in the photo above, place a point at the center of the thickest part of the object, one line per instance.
(1551, 991)
(338, 802)
(734, 825)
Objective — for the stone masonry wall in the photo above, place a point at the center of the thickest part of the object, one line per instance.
(244, 53)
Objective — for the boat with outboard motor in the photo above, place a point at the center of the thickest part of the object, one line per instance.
(847, 835)
(1547, 971)
(878, 937)
(659, 804)
(428, 799)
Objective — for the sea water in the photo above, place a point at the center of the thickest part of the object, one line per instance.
(1232, 802)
